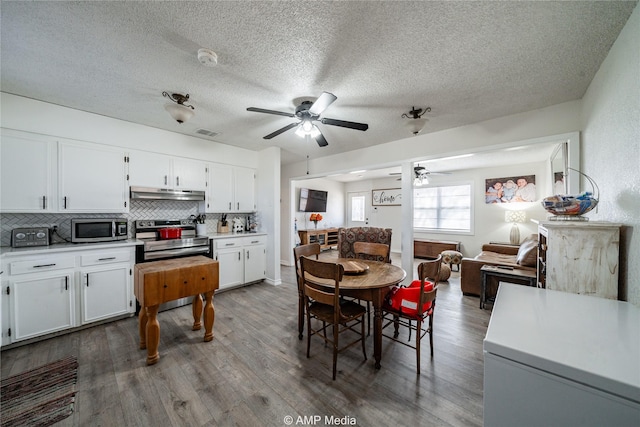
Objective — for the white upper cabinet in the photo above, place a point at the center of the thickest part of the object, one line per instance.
(28, 172)
(149, 169)
(163, 171)
(231, 189)
(220, 194)
(92, 178)
(189, 174)
(245, 189)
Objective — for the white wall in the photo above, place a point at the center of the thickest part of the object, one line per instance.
(334, 216)
(498, 133)
(611, 147)
(40, 117)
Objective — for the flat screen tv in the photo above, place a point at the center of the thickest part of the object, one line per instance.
(313, 200)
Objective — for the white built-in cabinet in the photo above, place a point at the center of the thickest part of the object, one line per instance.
(242, 260)
(105, 281)
(49, 293)
(45, 174)
(231, 189)
(41, 296)
(28, 172)
(92, 178)
(581, 257)
(162, 171)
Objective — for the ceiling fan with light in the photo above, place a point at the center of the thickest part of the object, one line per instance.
(307, 113)
(421, 175)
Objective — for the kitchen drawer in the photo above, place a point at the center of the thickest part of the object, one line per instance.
(255, 240)
(100, 258)
(227, 243)
(42, 265)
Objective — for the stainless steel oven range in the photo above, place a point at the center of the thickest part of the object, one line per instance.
(160, 242)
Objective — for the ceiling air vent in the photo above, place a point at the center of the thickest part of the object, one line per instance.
(207, 132)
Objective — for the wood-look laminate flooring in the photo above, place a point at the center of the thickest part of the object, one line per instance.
(255, 371)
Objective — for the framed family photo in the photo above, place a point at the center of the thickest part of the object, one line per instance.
(510, 189)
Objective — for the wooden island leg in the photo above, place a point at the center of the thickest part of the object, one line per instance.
(153, 335)
(197, 312)
(209, 316)
(142, 327)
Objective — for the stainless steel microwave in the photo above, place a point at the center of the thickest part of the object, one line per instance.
(89, 230)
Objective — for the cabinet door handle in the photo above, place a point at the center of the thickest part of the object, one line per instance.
(247, 254)
(229, 244)
(239, 258)
(66, 283)
(166, 180)
(65, 202)
(178, 181)
(44, 202)
(44, 265)
(107, 258)
(87, 280)
(238, 206)
(229, 205)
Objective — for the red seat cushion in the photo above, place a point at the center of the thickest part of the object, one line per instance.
(405, 300)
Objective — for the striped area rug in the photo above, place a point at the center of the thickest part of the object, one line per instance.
(41, 396)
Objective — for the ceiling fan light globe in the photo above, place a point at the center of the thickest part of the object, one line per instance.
(314, 132)
(307, 126)
(300, 132)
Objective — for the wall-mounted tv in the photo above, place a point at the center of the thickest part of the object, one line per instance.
(313, 200)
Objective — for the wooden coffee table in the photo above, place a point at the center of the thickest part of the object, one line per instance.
(507, 274)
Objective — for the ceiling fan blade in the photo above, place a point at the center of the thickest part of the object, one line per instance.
(439, 173)
(279, 131)
(345, 124)
(262, 110)
(321, 141)
(322, 103)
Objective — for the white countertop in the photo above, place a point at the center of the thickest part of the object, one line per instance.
(66, 247)
(594, 341)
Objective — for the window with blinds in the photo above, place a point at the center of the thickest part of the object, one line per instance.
(444, 208)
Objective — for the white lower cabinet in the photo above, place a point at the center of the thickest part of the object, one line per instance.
(241, 259)
(42, 304)
(106, 287)
(42, 294)
(255, 258)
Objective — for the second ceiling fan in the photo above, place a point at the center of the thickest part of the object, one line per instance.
(307, 113)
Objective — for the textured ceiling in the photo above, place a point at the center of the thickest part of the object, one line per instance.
(468, 61)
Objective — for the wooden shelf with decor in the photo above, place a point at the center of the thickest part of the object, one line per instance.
(326, 237)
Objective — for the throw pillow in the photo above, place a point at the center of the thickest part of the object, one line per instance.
(528, 253)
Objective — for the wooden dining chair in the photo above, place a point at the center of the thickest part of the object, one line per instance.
(415, 303)
(300, 251)
(376, 252)
(323, 303)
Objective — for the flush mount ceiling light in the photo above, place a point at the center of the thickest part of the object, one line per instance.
(207, 57)
(180, 111)
(416, 122)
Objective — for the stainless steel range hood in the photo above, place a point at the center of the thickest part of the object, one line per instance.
(145, 193)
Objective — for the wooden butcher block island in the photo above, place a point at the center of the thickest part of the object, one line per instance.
(158, 282)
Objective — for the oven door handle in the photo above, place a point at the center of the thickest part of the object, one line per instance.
(175, 252)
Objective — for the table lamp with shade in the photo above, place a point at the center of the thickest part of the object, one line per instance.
(514, 217)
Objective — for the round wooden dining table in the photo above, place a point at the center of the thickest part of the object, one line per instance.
(369, 281)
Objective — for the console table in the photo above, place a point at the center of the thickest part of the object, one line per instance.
(326, 237)
(158, 282)
(508, 274)
(433, 248)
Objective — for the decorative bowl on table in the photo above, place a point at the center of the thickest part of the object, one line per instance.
(570, 207)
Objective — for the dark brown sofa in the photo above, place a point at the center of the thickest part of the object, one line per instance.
(522, 257)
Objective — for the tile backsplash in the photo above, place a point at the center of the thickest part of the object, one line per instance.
(139, 209)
